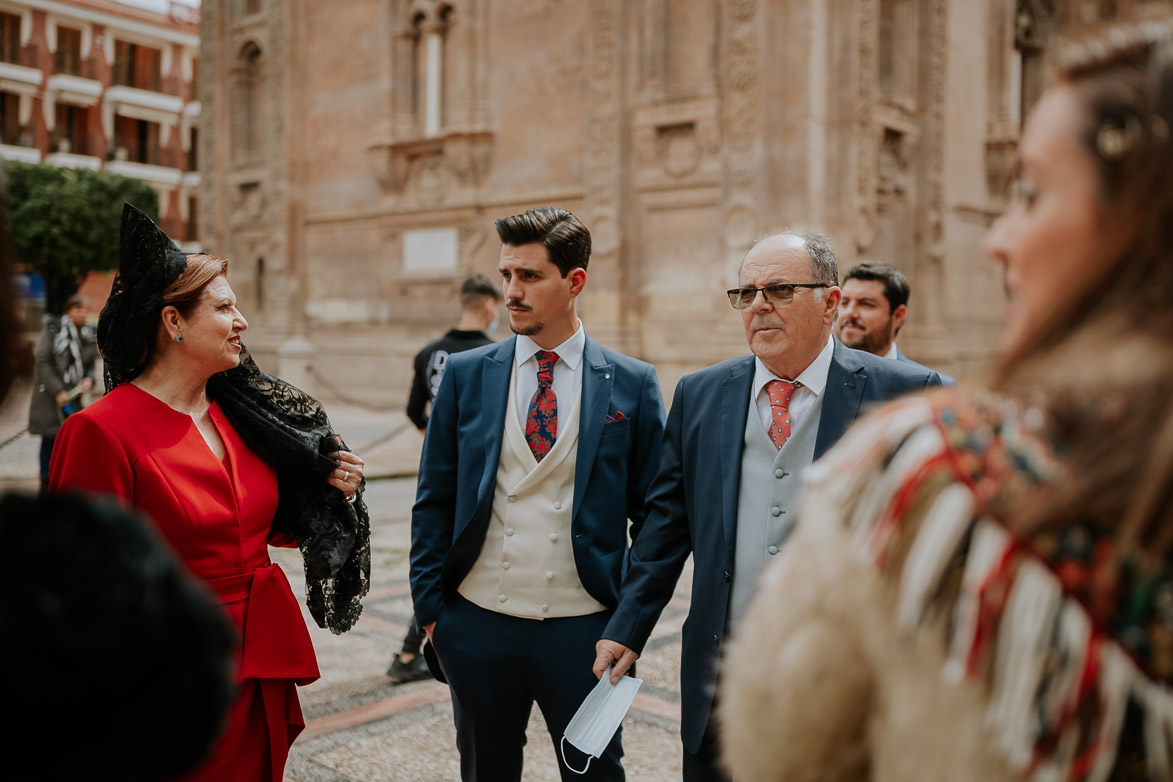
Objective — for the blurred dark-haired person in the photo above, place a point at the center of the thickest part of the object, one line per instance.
(93, 589)
(225, 460)
(65, 356)
(739, 439)
(988, 592)
(873, 309)
(538, 451)
(480, 306)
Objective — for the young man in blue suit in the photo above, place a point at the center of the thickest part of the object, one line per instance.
(738, 439)
(873, 309)
(538, 451)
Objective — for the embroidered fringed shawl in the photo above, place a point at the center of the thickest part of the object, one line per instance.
(1074, 655)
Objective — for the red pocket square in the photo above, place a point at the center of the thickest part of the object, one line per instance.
(619, 416)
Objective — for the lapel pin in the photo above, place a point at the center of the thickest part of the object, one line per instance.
(607, 376)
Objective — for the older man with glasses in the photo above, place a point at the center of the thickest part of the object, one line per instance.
(738, 439)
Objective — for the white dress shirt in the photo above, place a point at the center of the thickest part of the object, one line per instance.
(813, 381)
(892, 352)
(567, 375)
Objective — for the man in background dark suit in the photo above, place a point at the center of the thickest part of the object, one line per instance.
(873, 309)
(738, 438)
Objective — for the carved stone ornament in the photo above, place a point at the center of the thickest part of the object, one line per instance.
(462, 157)
(679, 149)
(893, 165)
(1001, 162)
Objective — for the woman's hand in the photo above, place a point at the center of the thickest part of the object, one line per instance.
(348, 475)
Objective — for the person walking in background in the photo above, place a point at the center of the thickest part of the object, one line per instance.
(873, 309)
(538, 451)
(480, 306)
(984, 592)
(225, 460)
(738, 440)
(65, 356)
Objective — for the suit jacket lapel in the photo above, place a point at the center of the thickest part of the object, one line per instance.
(494, 400)
(598, 377)
(844, 395)
(734, 400)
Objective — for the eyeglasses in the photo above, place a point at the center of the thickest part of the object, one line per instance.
(780, 293)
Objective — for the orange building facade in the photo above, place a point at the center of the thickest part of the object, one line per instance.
(96, 84)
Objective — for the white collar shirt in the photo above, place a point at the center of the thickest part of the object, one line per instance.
(892, 352)
(567, 374)
(813, 382)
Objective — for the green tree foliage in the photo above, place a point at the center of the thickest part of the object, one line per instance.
(64, 222)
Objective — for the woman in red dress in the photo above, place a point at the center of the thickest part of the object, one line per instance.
(160, 441)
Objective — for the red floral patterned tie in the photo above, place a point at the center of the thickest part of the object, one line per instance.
(541, 425)
(780, 392)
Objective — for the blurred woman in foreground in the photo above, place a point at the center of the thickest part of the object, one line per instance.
(981, 586)
(225, 460)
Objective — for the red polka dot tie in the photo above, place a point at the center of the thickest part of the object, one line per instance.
(541, 425)
(780, 392)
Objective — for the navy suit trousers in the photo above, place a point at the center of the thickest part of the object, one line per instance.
(498, 666)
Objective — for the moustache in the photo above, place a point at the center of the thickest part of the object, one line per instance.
(854, 323)
(514, 303)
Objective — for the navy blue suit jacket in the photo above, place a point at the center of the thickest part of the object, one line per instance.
(692, 506)
(945, 379)
(616, 460)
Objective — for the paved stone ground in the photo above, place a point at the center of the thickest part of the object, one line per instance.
(359, 727)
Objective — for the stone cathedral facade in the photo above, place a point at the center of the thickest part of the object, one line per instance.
(355, 154)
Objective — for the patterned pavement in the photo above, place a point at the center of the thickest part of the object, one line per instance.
(359, 727)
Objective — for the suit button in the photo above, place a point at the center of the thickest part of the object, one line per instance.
(549, 575)
(513, 498)
(553, 537)
(545, 608)
(557, 506)
(772, 549)
(502, 598)
(726, 575)
(779, 474)
(509, 531)
(775, 511)
(505, 565)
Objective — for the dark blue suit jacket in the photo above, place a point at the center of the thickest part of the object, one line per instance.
(945, 379)
(617, 460)
(692, 506)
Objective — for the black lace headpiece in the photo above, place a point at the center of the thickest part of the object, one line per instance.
(148, 262)
(283, 425)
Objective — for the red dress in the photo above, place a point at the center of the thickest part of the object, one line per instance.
(217, 517)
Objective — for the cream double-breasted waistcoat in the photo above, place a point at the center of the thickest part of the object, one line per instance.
(526, 565)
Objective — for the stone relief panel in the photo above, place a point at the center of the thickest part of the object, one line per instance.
(605, 143)
(677, 144)
(739, 121)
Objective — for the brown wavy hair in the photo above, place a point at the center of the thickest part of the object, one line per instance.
(1102, 365)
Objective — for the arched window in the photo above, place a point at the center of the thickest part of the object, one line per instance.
(429, 28)
(247, 106)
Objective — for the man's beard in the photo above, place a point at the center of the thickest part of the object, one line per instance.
(876, 342)
(528, 331)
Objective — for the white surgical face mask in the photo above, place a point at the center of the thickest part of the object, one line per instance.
(599, 716)
(492, 325)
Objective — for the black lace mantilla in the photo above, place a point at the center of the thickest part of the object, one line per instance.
(290, 430)
(285, 426)
(148, 261)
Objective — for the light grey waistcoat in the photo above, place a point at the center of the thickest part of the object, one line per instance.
(772, 486)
